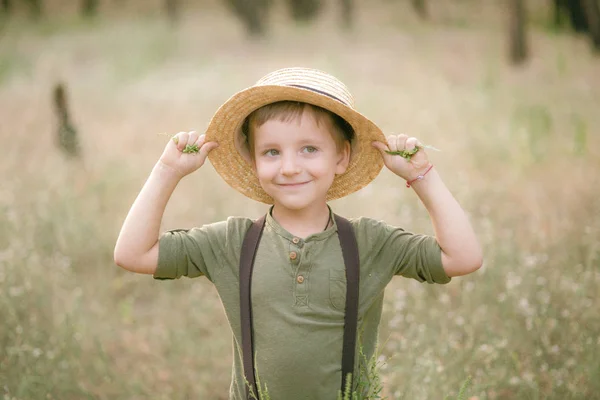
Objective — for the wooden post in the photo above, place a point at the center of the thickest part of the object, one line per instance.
(66, 135)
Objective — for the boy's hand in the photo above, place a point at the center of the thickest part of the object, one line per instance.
(186, 163)
(406, 169)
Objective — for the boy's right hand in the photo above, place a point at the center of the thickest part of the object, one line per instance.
(186, 163)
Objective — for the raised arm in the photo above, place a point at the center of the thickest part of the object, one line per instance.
(137, 245)
(461, 251)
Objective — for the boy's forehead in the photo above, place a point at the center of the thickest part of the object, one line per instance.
(303, 128)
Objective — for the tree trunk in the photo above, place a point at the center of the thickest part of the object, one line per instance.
(172, 9)
(592, 14)
(304, 10)
(36, 8)
(6, 7)
(517, 34)
(577, 15)
(347, 14)
(253, 14)
(89, 8)
(420, 7)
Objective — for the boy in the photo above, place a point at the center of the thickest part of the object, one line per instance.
(294, 141)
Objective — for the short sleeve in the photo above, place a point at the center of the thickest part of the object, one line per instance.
(394, 251)
(199, 251)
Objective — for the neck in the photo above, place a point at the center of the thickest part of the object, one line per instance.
(303, 223)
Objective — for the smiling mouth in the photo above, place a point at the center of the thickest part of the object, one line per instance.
(292, 185)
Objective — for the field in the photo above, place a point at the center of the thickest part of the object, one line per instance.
(520, 150)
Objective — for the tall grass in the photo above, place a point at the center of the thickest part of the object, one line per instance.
(519, 151)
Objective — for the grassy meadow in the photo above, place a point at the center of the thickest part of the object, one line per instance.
(520, 151)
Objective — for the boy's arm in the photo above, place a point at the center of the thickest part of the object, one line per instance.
(136, 249)
(461, 252)
(137, 246)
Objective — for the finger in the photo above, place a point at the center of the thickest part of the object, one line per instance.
(192, 137)
(205, 149)
(200, 141)
(411, 143)
(401, 141)
(181, 140)
(392, 143)
(381, 147)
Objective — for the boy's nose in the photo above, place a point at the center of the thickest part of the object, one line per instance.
(289, 165)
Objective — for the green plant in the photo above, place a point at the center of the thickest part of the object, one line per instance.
(407, 154)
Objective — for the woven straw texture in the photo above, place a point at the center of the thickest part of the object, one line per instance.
(295, 84)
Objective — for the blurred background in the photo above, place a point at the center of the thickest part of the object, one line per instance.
(508, 90)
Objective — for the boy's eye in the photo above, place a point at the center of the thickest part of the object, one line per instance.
(310, 149)
(271, 152)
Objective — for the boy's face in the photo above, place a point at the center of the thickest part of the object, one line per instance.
(296, 161)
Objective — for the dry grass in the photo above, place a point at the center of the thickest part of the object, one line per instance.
(520, 151)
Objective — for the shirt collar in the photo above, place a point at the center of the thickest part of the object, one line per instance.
(278, 229)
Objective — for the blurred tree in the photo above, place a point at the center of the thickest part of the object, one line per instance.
(347, 13)
(6, 6)
(517, 32)
(575, 11)
(592, 14)
(36, 8)
(172, 9)
(253, 14)
(304, 10)
(584, 17)
(89, 8)
(67, 139)
(420, 7)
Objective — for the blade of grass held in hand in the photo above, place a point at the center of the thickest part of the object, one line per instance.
(407, 154)
(189, 148)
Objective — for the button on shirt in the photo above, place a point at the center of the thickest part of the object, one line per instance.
(299, 293)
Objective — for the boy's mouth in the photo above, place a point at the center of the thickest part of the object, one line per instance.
(292, 185)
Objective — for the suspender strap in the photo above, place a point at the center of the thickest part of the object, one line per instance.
(249, 247)
(351, 262)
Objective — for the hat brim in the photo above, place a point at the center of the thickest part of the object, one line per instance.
(365, 162)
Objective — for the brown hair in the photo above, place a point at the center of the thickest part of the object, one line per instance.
(286, 111)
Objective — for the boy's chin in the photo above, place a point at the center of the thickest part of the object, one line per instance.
(293, 204)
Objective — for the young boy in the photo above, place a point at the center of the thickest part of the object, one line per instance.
(294, 141)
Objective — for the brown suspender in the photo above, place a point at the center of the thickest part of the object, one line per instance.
(351, 261)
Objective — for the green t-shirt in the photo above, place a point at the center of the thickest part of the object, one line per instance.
(299, 294)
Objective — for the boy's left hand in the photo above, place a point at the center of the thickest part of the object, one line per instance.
(406, 169)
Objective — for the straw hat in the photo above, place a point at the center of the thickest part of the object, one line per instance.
(231, 159)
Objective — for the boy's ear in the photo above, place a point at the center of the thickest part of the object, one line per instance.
(343, 159)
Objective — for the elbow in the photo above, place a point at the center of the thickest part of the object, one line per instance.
(473, 264)
(464, 265)
(121, 259)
